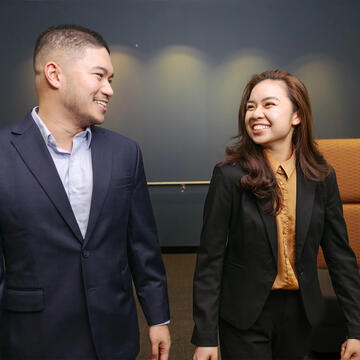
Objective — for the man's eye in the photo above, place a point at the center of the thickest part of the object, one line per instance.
(100, 76)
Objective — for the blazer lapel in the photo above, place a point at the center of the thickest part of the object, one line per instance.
(32, 149)
(304, 204)
(271, 230)
(101, 155)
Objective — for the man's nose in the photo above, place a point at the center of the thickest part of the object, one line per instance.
(107, 89)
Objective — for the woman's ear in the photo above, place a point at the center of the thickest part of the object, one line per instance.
(296, 120)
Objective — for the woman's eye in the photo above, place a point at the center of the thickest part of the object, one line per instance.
(249, 107)
(269, 104)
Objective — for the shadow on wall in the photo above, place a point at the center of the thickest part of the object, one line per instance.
(327, 86)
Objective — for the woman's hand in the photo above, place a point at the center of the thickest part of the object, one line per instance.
(350, 350)
(206, 353)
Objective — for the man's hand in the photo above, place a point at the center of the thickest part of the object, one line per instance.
(350, 350)
(159, 336)
(206, 353)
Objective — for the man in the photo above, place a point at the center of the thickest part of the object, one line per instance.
(76, 222)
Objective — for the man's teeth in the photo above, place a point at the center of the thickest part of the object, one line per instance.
(260, 127)
(102, 103)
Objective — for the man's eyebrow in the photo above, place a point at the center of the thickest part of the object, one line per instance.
(103, 69)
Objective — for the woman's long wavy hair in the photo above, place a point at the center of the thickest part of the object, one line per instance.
(260, 179)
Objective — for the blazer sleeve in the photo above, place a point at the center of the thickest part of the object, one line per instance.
(144, 253)
(209, 264)
(2, 271)
(340, 258)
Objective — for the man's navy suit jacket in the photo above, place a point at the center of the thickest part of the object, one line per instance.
(64, 296)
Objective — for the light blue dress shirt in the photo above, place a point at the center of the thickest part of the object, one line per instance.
(74, 168)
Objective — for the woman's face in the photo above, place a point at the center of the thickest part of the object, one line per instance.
(270, 118)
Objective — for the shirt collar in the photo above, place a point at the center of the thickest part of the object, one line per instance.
(48, 137)
(288, 166)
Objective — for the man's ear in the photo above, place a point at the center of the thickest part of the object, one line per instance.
(296, 120)
(52, 73)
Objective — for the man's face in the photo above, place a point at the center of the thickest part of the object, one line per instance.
(87, 89)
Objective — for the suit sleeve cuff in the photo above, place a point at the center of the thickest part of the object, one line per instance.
(164, 323)
(354, 332)
(204, 338)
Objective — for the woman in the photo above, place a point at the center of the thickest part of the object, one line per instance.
(271, 203)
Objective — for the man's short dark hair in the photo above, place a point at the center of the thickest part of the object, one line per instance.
(68, 37)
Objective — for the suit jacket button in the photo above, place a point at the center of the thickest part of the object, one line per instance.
(85, 253)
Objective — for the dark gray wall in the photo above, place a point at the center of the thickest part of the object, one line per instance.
(180, 69)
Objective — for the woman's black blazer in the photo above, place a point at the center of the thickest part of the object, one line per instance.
(237, 258)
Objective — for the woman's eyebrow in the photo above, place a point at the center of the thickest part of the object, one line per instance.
(270, 98)
(264, 99)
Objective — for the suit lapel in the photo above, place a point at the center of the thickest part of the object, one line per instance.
(271, 230)
(32, 149)
(101, 155)
(304, 205)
